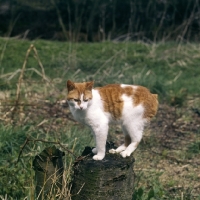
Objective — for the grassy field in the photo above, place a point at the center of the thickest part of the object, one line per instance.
(33, 82)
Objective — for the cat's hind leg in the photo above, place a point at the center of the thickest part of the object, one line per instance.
(123, 146)
(134, 131)
(118, 150)
(130, 149)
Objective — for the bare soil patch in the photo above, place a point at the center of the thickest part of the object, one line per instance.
(169, 155)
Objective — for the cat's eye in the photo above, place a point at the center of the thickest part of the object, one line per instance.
(77, 100)
(85, 100)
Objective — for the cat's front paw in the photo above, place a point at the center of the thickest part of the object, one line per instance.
(94, 150)
(98, 157)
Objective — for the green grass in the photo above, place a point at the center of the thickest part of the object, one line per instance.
(17, 178)
(169, 69)
(165, 68)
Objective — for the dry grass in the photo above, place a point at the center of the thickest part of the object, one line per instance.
(28, 106)
(167, 160)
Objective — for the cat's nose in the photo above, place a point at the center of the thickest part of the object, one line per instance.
(81, 107)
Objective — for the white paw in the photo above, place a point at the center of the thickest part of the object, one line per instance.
(112, 151)
(98, 157)
(124, 154)
(94, 151)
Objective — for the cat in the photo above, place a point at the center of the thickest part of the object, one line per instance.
(130, 105)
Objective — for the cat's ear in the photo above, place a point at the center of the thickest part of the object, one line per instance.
(89, 85)
(70, 85)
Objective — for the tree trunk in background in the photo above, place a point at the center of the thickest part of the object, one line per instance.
(48, 168)
(109, 179)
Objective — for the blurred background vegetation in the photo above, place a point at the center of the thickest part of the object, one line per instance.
(98, 20)
(154, 43)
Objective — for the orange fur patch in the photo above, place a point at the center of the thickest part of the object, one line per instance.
(113, 103)
(148, 100)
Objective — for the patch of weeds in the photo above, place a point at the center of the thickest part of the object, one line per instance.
(10, 141)
(194, 148)
(158, 88)
(20, 176)
(155, 192)
(177, 98)
(150, 189)
(4, 85)
(138, 194)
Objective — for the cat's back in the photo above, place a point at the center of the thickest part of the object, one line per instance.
(117, 97)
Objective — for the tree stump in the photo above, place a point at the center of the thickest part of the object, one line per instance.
(109, 179)
(48, 166)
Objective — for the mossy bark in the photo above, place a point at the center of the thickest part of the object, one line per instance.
(48, 168)
(109, 179)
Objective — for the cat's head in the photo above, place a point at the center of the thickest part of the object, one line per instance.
(79, 94)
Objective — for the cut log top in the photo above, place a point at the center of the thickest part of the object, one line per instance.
(110, 160)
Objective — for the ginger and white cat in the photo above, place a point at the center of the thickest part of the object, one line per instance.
(132, 106)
